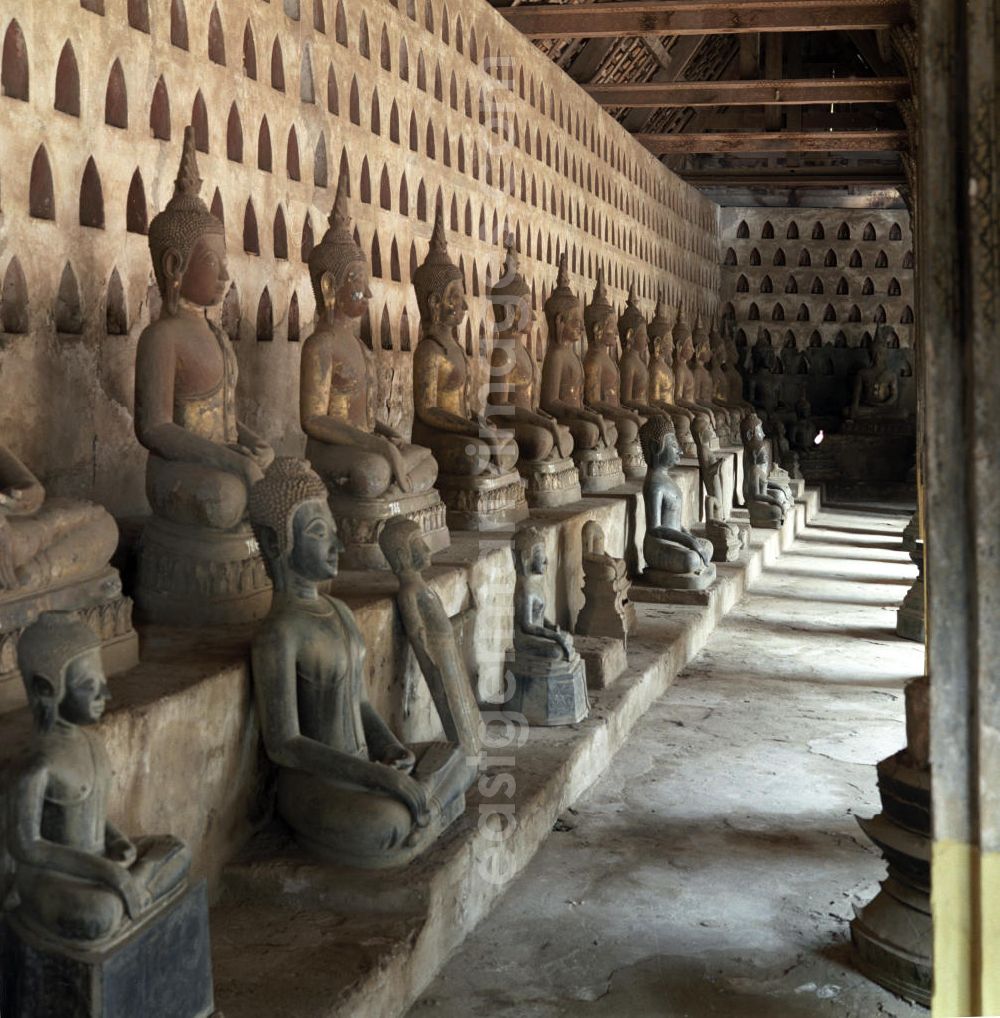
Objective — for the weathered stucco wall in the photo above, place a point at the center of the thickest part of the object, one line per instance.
(416, 101)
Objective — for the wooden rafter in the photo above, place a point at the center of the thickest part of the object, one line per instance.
(774, 141)
(803, 91)
(702, 17)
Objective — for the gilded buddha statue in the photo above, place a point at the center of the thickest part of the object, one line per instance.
(198, 564)
(476, 459)
(602, 383)
(685, 394)
(594, 435)
(632, 367)
(350, 791)
(372, 472)
(661, 392)
(545, 446)
(54, 554)
(726, 420)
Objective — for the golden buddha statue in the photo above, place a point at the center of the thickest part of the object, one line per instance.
(594, 435)
(371, 471)
(661, 378)
(685, 394)
(198, 563)
(544, 444)
(476, 459)
(602, 382)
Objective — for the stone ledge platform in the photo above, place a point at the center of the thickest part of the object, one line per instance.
(293, 937)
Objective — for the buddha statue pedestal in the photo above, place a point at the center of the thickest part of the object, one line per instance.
(198, 561)
(910, 617)
(607, 611)
(604, 659)
(159, 966)
(360, 521)
(551, 484)
(600, 469)
(545, 675)
(486, 502)
(199, 576)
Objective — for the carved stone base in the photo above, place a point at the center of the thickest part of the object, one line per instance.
(656, 586)
(910, 617)
(603, 659)
(678, 581)
(599, 469)
(360, 520)
(633, 462)
(193, 576)
(762, 516)
(728, 540)
(550, 484)
(160, 968)
(548, 692)
(487, 502)
(607, 611)
(98, 601)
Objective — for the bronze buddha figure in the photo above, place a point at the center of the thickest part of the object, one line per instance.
(594, 435)
(766, 497)
(198, 564)
(372, 472)
(545, 446)
(602, 383)
(476, 458)
(661, 393)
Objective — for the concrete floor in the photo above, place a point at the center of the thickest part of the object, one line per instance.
(712, 871)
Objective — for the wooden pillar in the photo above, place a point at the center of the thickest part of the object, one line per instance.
(959, 250)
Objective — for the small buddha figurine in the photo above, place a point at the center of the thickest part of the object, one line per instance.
(675, 558)
(372, 472)
(550, 685)
(718, 483)
(602, 383)
(876, 388)
(78, 880)
(607, 610)
(661, 378)
(594, 436)
(545, 445)
(347, 787)
(685, 394)
(430, 634)
(767, 500)
(476, 458)
(195, 567)
(46, 542)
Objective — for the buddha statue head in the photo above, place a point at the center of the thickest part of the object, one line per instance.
(562, 309)
(293, 525)
(751, 430)
(631, 318)
(529, 552)
(592, 537)
(187, 243)
(402, 542)
(599, 315)
(510, 297)
(702, 344)
(337, 265)
(439, 284)
(659, 442)
(683, 345)
(661, 322)
(59, 657)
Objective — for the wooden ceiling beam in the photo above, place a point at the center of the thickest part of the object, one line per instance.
(803, 91)
(819, 177)
(774, 141)
(701, 17)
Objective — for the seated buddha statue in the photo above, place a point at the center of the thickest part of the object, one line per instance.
(766, 396)
(675, 558)
(727, 420)
(79, 881)
(727, 379)
(195, 567)
(766, 497)
(875, 392)
(372, 472)
(602, 383)
(475, 456)
(685, 394)
(549, 678)
(544, 444)
(632, 364)
(347, 787)
(661, 378)
(594, 436)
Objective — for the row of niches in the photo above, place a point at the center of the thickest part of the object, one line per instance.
(817, 231)
(817, 311)
(856, 259)
(479, 104)
(815, 285)
(824, 337)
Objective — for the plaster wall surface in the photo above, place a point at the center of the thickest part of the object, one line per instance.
(419, 103)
